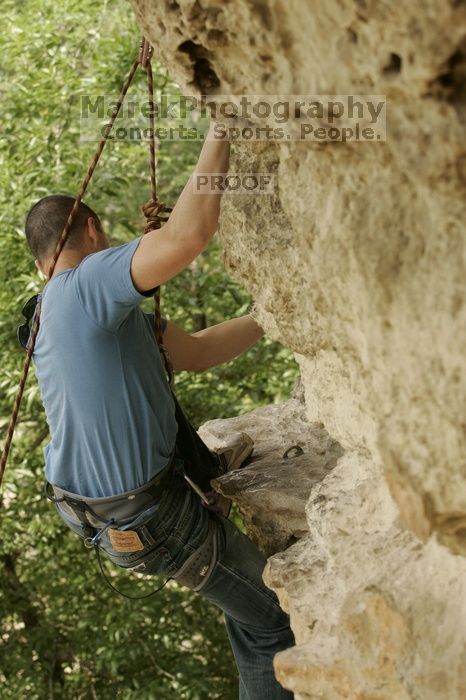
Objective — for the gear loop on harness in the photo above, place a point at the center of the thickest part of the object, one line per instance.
(49, 496)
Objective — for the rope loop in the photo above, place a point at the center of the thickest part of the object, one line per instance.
(153, 212)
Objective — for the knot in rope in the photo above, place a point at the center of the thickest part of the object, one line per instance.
(152, 211)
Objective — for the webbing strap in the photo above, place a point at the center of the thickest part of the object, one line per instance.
(152, 210)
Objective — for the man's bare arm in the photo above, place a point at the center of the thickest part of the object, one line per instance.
(212, 346)
(163, 253)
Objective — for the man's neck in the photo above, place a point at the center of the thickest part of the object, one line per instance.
(66, 261)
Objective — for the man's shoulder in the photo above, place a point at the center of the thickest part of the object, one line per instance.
(113, 251)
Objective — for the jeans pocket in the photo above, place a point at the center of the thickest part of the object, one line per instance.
(143, 541)
(158, 562)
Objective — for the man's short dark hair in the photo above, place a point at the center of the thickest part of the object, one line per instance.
(46, 221)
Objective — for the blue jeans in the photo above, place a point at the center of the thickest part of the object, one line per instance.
(257, 626)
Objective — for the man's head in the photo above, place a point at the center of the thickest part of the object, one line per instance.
(45, 223)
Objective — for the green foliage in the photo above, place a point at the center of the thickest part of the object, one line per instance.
(63, 633)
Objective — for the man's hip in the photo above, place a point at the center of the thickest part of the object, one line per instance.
(162, 531)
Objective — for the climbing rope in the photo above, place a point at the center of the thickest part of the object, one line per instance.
(155, 212)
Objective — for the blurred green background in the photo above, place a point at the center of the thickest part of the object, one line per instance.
(63, 633)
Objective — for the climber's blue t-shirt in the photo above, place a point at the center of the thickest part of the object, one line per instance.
(103, 384)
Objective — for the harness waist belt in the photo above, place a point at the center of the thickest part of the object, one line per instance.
(122, 507)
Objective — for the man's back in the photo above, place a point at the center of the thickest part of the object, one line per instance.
(102, 380)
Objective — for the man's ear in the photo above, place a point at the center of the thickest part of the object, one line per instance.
(92, 230)
(96, 234)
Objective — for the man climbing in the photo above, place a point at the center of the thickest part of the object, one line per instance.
(114, 464)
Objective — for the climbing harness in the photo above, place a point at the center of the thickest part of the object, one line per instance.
(123, 520)
(122, 517)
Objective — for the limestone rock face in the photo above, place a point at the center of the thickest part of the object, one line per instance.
(377, 613)
(357, 263)
(290, 457)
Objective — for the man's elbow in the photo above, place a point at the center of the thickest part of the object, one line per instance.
(198, 364)
(200, 360)
(189, 366)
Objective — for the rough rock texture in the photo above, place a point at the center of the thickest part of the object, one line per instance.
(357, 263)
(376, 613)
(290, 457)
